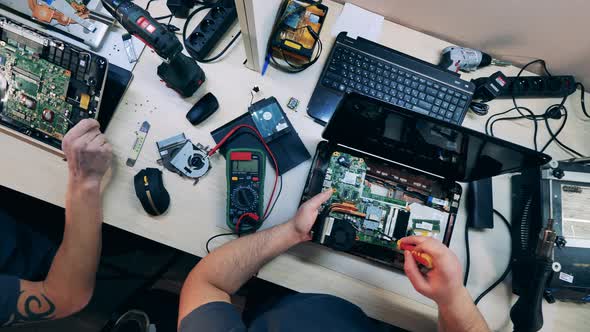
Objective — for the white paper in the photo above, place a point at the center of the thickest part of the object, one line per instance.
(359, 22)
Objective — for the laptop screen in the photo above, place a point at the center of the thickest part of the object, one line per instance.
(454, 152)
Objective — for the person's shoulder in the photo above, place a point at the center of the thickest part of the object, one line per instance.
(9, 293)
(214, 316)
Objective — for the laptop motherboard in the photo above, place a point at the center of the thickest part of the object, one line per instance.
(379, 204)
(46, 86)
(36, 91)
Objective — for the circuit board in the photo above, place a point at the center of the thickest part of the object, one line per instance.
(46, 85)
(36, 91)
(380, 203)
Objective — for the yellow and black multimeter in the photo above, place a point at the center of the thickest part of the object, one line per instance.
(246, 170)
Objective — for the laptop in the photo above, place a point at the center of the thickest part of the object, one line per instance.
(396, 173)
(362, 66)
(90, 30)
(47, 86)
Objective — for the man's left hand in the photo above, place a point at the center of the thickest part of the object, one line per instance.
(307, 215)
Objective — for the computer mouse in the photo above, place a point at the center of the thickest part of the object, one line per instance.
(203, 109)
(149, 188)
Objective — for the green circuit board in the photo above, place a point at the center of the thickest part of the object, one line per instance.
(36, 90)
(374, 199)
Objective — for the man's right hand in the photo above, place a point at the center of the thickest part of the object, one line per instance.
(444, 281)
(87, 151)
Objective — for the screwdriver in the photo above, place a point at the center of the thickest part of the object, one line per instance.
(466, 59)
(420, 257)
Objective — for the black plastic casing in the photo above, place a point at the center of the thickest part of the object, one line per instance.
(211, 29)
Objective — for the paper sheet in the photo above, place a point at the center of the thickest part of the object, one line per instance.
(359, 22)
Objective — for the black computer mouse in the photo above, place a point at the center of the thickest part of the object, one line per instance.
(203, 109)
(151, 192)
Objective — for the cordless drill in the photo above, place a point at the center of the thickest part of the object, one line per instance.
(466, 59)
(178, 71)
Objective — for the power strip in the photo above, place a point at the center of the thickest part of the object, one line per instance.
(211, 29)
(539, 87)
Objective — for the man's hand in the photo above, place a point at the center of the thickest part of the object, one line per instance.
(444, 281)
(444, 285)
(88, 153)
(307, 215)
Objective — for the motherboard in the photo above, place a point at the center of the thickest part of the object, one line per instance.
(47, 86)
(380, 204)
(35, 91)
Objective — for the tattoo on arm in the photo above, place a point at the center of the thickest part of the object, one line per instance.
(31, 308)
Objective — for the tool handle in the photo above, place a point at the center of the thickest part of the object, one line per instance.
(446, 62)
(420, 257)
(142, 25)
(527, 314)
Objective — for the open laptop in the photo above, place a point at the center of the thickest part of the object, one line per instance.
(82, 20)
(47, 86)
(396, 173)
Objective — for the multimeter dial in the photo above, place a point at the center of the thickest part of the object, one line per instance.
(245, 198)
(245, 175)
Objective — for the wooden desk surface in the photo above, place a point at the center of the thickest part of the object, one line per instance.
(196, 211)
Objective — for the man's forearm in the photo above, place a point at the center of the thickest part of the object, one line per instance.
(461, 315)
(233, 264)
(72, 275)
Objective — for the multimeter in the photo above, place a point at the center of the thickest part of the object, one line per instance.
(245, 189)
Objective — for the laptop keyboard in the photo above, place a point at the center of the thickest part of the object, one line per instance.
(354, 71)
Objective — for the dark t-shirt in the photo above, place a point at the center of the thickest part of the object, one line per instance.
(24, 254)
(299, 312)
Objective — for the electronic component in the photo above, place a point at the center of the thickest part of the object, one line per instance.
(365, 195)
(211, 30)
(350, 178)
(129, 48)
(416, 191)
(82, 20)
(268, 118)
(47, 86)
(295, 36)
(138, 145)
(245, 184)
(293, 104)
(488, 89)
(180, 8)
(181, 156)
(480, 204)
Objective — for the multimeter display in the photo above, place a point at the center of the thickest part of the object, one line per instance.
(246, 170)
(249, 166)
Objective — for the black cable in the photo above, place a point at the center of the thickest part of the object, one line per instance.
(213, 238)
(163, 17)
(583, 99)
(518, 108)
(553, 135)
(508, 266)
(223, 51)
(184, 36)
(468, 258)
(557, 111)
(147, 7)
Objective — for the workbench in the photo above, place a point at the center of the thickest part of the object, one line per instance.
(197, 212)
